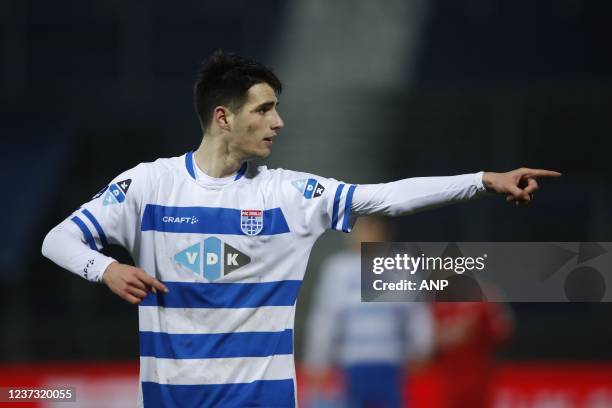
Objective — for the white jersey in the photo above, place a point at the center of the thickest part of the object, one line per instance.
(233, 256)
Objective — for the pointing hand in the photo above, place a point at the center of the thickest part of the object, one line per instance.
(518, 185)
(130, 283)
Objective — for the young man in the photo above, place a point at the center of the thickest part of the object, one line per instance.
(221, 246)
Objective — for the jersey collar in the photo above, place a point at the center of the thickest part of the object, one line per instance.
(189, 164)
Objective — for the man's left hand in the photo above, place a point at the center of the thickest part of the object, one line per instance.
(518, 185)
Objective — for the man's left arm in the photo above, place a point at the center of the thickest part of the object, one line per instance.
(412, 195)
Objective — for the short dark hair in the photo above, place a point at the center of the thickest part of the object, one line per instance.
(224, 79)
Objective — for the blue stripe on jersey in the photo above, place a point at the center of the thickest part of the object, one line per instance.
(189, 164)
(218, 345)
(336, 205)
(262, 393)
(241, 172)
(207, 220)
(88, 237)
(225, 295)
(347, 208)
(98, 227)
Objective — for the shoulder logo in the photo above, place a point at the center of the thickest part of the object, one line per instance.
(251, 221)
(310, 188)
(211, 258)
(124, 185)
(116, 192)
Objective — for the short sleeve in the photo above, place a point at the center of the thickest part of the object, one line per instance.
(112, 216)
(317, 203)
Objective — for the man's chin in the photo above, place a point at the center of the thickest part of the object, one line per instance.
(259, 154)
(262, 154)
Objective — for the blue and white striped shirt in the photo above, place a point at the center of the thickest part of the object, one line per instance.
(233, 254)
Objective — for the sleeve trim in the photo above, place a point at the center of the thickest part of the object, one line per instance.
(336, 206)
(97, 226)
(86, 233)
(347, 209)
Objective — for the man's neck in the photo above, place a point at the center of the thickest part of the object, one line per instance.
(215, 159)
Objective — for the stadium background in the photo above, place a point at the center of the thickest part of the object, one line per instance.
(373, 92)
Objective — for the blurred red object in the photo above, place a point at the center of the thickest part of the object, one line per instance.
(468, 333)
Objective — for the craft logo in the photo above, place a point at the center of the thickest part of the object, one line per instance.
(116, 192)
(86, 269)
(310, 188)
(180, 220)
(251, 221)
(211, 258)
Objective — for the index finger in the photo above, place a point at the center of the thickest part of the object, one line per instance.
(151, 281)
(540, 173)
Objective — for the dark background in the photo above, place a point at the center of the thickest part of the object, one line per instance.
(91, 88)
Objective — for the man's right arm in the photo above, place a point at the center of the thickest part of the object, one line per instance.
(64, 246)
(67, 247)
(110, 217)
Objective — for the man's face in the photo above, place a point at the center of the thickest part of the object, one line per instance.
(256, 124)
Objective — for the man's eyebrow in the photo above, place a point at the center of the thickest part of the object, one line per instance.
(268, 104)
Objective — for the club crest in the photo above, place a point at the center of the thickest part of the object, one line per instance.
(251, 221)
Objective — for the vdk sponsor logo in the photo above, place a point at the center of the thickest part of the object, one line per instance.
(116, 192)
(211, 258)
(310, 188)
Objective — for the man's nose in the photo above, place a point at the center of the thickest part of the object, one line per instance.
(278, 123)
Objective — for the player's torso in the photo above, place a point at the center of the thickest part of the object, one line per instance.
(237, 233)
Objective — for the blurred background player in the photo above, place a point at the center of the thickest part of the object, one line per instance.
(467, 336)
(371, 342)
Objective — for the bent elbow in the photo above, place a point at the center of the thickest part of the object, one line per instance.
(46, 245)
(52, 242)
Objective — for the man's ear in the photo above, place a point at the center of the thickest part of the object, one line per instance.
(222, 117)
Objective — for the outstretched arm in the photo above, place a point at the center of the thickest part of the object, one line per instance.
(412, 195)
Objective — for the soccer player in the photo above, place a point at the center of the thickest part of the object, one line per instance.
(221, 245)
